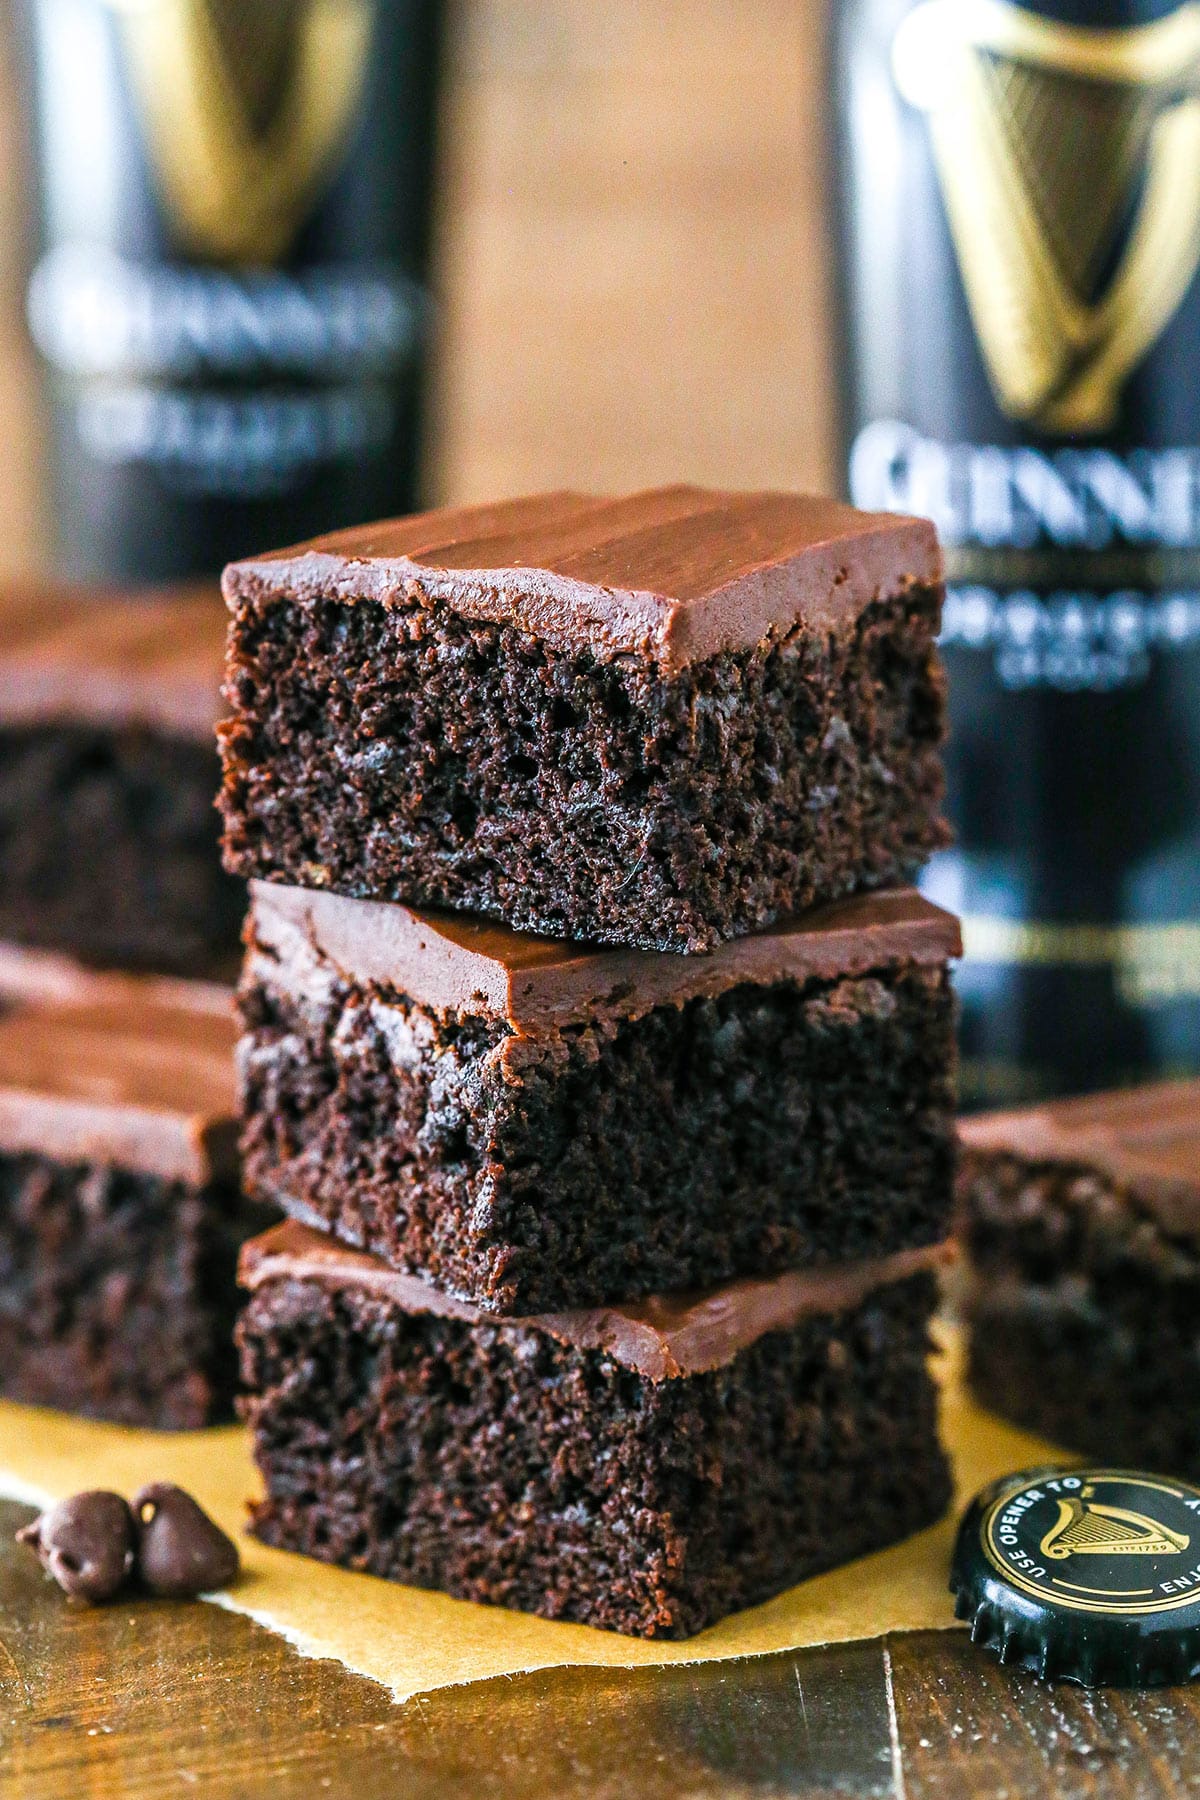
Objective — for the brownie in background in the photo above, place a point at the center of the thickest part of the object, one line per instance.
(646, 1469)
(532, 1124)
(121, 1213)
(1081, 1221)
(108, 834)
(661, 721)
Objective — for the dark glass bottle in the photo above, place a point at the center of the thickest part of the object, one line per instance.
(1019, 205)
(228, 291)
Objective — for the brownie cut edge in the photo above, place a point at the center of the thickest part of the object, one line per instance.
(532, 1125)
(121, 1212)
(1081, 1226)
(646, 1470)
(662, 721)
(108, 838)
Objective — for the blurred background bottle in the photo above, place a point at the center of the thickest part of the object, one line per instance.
(1020, 239)
(228, 292)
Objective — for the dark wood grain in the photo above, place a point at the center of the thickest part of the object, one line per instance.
(146, 1700)
(970, 1728)
(811, 1723)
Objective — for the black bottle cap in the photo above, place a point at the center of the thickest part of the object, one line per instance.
(1087, 1575)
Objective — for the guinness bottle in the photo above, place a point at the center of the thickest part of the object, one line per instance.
(1020, 229)
(228, 293)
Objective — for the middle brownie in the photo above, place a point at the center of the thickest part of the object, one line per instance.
(534, 1125)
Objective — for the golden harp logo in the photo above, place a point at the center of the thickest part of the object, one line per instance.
(1069, 161)
(245, 106)
(1086, 1528)
(1097, 1541)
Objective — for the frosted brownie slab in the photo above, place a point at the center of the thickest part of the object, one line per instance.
(663, 720)
(647, 1469)
(121, 1213)
(108, 838)
(1082, 1225)
(533, 1124)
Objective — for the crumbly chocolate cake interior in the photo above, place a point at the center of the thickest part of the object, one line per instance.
(500, 1464)
(757, 1130)
(397, 752)
(118, 1293)
(121, 1215)
(108, 839)
(1083, 1310)
(109, 846)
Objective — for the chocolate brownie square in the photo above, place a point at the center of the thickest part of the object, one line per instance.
(533, 1124)
(1082, 1226)
(661, 721)
(108, 836)
(646, 1470)
(121, 1213)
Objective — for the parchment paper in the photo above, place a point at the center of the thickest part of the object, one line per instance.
(413, 1641)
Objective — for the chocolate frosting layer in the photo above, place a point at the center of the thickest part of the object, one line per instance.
(1146, 1140)
(661, 1339)
(31, 974)
(677, 574)
(454, 963)
(137, 1074)
(105, 657)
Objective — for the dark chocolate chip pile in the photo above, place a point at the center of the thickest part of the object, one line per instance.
(95, 1545)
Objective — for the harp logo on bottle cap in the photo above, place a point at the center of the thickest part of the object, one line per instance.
(1090, 1575)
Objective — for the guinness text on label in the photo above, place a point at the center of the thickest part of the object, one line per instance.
(1015, 497)
(228, 294)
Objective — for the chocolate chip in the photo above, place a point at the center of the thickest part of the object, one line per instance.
(86, 1543)
(180, 1551)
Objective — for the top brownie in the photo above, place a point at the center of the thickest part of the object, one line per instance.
(662, 721)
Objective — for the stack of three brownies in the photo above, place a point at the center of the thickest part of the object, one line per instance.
(593, 1047)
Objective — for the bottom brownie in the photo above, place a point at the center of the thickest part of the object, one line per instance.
(1082, 1228)
(645, 1469)
(118, 1291)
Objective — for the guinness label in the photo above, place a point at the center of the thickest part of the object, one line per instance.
(1069, 162)
(229, 294)
(1020, 232)
(245, 107)
(1089, 1575)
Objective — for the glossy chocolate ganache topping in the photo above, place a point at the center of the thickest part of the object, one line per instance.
(1145, 1141)
(675, 574)
(129, 1071)
(114, 658)
(456, 963)
(661, 1339)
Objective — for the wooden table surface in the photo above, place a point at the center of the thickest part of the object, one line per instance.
(146, 1700)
